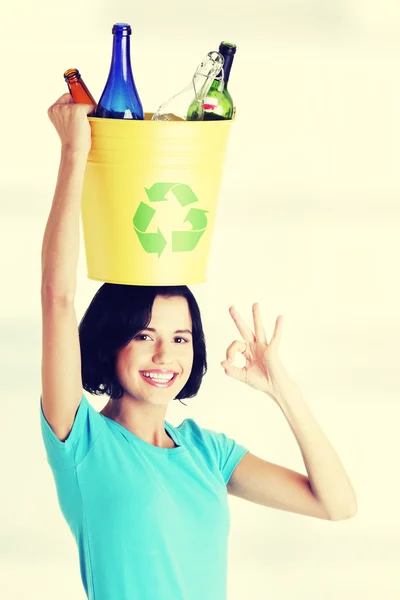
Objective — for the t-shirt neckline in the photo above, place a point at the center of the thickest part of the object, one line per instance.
(134, 439)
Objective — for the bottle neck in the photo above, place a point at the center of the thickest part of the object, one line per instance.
(121, 57)
(228, 60)
(74, 79)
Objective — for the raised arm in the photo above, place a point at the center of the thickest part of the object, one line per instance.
(61, 360)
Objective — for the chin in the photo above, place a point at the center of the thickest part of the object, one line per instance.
(156, 396)
(158, 399)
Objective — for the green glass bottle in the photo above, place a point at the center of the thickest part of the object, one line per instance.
(217, 106)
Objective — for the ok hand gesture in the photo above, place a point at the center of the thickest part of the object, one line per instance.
(263, 369)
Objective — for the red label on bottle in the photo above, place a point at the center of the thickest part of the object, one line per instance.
(208, 106)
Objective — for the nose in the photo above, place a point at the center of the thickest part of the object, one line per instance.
(163, 354)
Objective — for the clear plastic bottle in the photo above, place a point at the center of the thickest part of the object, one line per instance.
(120, 99)
(176, 107)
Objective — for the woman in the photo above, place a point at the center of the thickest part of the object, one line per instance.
(147, 501)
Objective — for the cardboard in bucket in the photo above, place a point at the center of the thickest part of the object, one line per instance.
(149, 199)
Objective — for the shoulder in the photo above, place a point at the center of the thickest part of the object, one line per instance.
(87, 426)
(190, 427)
(216, 447)
(216, 441)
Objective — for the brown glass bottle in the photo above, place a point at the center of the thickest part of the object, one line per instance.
(78, 90)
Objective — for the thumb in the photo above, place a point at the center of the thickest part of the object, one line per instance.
(86, 108)
(232, 371)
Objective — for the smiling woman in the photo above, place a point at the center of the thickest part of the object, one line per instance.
(121, 320)
(146, 501)
(142, 521)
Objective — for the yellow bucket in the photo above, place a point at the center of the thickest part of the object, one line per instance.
(149, 199)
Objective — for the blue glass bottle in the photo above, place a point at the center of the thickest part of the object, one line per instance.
(120, 99)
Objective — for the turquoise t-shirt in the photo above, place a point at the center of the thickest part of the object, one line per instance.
(150, 523)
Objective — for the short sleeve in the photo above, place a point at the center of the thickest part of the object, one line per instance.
(223, 451)
(67, 454)
(229, 454)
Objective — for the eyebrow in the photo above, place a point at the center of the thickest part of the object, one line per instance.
(176, 331)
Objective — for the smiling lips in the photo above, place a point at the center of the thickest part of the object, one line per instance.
(163, 379)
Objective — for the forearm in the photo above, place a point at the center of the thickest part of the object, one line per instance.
(60, 248)
(328, 479)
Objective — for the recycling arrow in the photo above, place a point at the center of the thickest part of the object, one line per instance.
(143, 217)
(182, 241)
(151, 242)
(185, 241)
(197, 218)
(182, 192)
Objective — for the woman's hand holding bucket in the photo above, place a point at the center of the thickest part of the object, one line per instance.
(72, 125)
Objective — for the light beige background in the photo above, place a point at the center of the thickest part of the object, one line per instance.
(308, 225)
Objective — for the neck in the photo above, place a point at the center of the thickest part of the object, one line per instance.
(121, 60)
(143, 419)
(227, 67)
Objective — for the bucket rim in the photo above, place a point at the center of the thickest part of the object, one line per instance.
(147, 119)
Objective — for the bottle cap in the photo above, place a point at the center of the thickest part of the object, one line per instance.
(227, 48)
(123, 28)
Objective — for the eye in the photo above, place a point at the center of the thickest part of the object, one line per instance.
(141, 336)
(184, 340)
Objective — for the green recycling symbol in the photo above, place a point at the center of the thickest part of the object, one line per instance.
(182, 241)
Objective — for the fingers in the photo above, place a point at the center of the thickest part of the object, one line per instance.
(259, 329)
(65, 110)
(244, 329)
(64, 99)
(67, 99)
(71, 123)
(236, 372)
(233, 371)
(258, 324)
(236, 346)
(277, 335)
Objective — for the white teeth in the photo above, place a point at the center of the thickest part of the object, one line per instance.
(158, 377)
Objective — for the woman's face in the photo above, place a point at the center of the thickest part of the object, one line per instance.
(157, 363)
